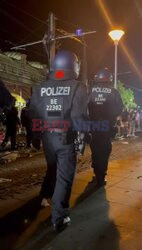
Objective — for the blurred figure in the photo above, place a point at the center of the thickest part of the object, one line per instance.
(119, 126)
(6, 98)
(141, 119)
(132, 123)
(125, 122)
(138, 119)
(12, 122)
(26, 122)
(2, 116)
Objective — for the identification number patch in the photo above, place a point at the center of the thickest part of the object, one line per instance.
(55, 104)
(53, 107)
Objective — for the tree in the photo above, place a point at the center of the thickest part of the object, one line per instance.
(127, 96)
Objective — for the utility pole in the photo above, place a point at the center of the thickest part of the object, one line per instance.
(51, 39)
(49, 42)
(84, 63)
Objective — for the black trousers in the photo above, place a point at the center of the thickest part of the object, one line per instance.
(101, 148)
(28, 136)
(61, 165)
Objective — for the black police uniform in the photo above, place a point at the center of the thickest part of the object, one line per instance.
(104, 106)
(57, 101)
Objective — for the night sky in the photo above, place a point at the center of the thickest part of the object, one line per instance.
(18, 27)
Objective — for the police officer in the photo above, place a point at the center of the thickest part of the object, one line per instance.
(57, 102)
(104, 106)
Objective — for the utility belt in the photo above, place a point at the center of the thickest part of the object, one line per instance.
(57, 131)
(67, 137)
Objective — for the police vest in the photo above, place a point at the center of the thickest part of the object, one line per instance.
(101, 94)
(56, 100)
(101, 103)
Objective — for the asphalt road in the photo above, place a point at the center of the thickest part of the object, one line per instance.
(25, 174)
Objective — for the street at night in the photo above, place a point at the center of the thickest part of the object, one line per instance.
(25, 225)
(70, 125)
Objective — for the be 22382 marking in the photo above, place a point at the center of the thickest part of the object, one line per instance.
(54, 104)
(53, 107)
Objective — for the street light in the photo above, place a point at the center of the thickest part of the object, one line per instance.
(116, 35)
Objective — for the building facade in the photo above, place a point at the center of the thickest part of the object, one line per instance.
(20, 75)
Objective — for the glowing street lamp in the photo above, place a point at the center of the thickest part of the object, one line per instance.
(116, 35)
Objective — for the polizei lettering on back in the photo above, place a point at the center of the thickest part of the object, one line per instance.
(101, 90)
(55, 91)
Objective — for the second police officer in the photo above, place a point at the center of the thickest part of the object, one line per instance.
(57, 102)
(104, 106)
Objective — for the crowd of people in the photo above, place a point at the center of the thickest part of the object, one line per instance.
(128, 123)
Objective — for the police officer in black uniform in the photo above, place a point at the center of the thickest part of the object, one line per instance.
(104, 106)
(57, 102)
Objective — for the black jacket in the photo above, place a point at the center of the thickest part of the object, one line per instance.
(59, 101)
(104, 103)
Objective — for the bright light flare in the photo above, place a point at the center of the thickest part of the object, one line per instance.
(108, 18)
(116, 35)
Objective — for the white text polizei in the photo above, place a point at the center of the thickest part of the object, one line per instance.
(101, 90)
(55, 91)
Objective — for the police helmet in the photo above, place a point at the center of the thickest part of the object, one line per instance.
(65, 65)
(104, 76)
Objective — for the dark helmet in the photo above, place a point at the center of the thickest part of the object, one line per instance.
(104, 76)
(65, 65)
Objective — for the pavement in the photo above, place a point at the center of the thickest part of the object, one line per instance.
(107, 219)
(10, 156)
(21, 177)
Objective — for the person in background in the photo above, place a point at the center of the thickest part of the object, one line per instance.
(6, 99)
(12, 123)
(138, 119)
(141, 119)
(132, 123)
(125, 122)
(119, 126)
(27, 123)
